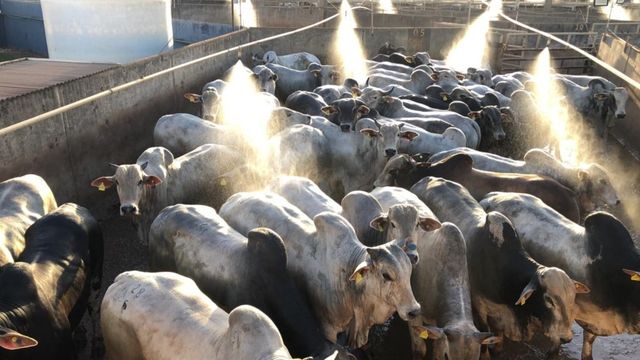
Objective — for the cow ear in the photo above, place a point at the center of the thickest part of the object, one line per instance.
(13, 340)
(506, 115)
(316, 72)
(329, 110)
(103, 183)
(388, 99)
(460, 76)
(363, 110)
(255, 77)
(428, 332)
(370, 132)
(635, 275)
(434, 76)
(475, 115)
(274, 77)
(429, 224)
(583, 176)
(528, 291)
(581, 288)
(409, 135)
(358, 274)
(355, 91)
(379, 223)
(487, 338)
(151, 180)
(194, 98)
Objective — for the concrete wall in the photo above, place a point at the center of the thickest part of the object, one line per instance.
(22, 25)
(189, 32)
(625, 58)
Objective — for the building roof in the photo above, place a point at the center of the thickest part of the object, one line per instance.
(22, 76)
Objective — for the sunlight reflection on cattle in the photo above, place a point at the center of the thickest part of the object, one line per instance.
(549, 99)
(471, 49)
(352, 61)
(246, 111)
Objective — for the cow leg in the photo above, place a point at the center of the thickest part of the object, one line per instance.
(587, 345)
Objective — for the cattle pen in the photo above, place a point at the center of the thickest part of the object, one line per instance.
(71, 127)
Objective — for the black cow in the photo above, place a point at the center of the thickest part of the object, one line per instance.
(45, 293)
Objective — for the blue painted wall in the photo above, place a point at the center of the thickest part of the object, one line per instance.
(22, 25)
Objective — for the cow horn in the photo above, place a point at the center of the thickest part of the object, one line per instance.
(528, 291)
(144, 165)
(114, 165)
(388, 92)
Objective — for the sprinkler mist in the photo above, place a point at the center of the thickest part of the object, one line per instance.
(386, 6)
(549, 98)
(347, 46)
(246, 112)
(471, 49)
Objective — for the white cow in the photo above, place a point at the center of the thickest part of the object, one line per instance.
(157, 180)
(165, 316)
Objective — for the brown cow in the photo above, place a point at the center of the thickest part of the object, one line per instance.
(403, 171)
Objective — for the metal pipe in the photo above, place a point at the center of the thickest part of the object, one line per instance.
(74, 105)
(609, 68)
(606, 30)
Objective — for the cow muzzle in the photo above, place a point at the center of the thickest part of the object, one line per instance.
(128, 210)
(345, 127)
(621, 116)
(499, 136)
(390, 152)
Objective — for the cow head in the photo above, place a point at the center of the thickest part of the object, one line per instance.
(13, 340)
(480, 76)
(402, 224)
(270, 57)
(438, 93)
(459, 341)
(130, 181)
(555, 302)
(421, 78)
(210, 100)
(283, 117)
(374, 97)
(345, 113)
(506, 88)
(447, 77)
(548, 297)
(266, 80)
(595, 189)
(490, 121)
(379, 283)
(422, 58)
(398, 166)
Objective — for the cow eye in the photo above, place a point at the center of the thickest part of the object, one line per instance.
(386, 277)
(603, 182)
(548, 300)
(393, 172)
(140, 183)
(116, 182)
(393, 225)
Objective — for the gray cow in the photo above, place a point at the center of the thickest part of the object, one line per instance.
(440, 283)
(591, 183)
(512, 295)
(351, 287)
(157, 180)
(23, 200)
(417, 83)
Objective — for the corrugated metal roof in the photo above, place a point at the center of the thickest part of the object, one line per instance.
(27, 75)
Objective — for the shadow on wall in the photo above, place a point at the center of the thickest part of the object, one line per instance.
(21, 26)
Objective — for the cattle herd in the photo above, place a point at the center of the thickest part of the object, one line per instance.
(425, 195)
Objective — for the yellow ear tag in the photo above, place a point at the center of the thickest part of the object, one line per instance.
(635, 277)
(424, 334)
(223, 182)
(101, 187)
(380, 228)
(359, 278)
(445, 98)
